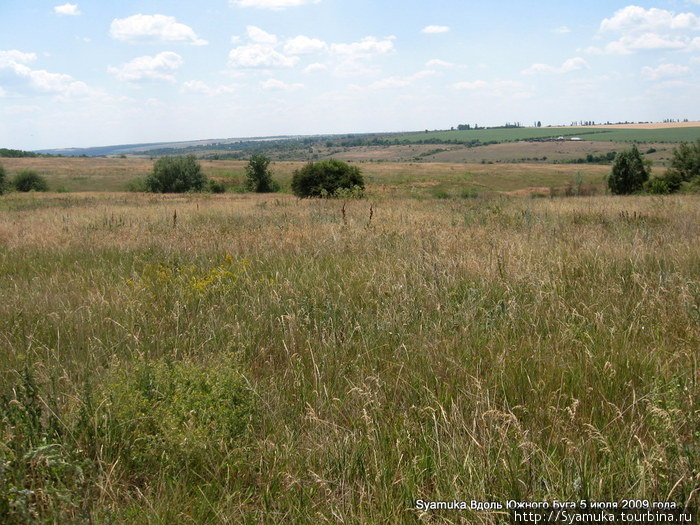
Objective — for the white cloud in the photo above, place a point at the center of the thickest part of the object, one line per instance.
(664, 71)
(470, 85)
(498, 88)
(12, 56)
(65, 86)
(271, 4)
(436, 62)
(365, 48)
(259, 36)
(397, 82)
(433, 30)
(158, 67)
(259, 55)
(279, 85)
(637, 19)
(651, 29)
(67, 9)
(303, 45)
(572, 64)
(153, 28)
(3, 93)
(316, 66)
(197, 86)
(630, 44)
(561, 30)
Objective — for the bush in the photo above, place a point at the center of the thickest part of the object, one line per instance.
(176, 175)
(629, 172)
(657, 186)
(28, 180)
(216, 187)
(685, 164)
(326, 179)
(2, 179)
(166, 417)
(258, 175)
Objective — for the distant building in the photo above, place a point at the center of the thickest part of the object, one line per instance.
(575, 138)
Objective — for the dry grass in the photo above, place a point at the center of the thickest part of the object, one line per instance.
(485, 349)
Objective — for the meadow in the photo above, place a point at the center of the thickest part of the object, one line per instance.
(419, 179)
(264, 359)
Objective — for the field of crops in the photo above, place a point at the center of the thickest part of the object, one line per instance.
(680, 134)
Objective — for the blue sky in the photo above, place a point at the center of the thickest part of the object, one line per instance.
(90, 73)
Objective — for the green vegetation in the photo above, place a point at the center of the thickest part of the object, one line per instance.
(629, 172)
(269, 359)
(29, 180)
(3, 180)
(18, 153)
(326, 179)
(259, 176)
(176, 175)
(685, 168)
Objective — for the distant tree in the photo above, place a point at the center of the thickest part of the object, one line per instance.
(258, 175)
(326, 178)
(629, 172)
(176, 175)
(29, 180)
(539, 124)
(686, 161)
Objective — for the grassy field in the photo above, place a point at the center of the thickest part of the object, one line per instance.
(589, 133)
(263, 359)
(408, 178)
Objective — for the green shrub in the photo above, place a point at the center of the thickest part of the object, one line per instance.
(166, 417)
(216, 186)
(3, 180)
(657, 186)
(258, 175)
(325, 178)
(176, 175)
(28, 180)
(137, 185)
(685, 164)
(629, 172)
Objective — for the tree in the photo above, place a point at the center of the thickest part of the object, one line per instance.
(259, 176)
(326, 178)
(176, 175)
(686, 161)
(28, 180)
(2, 179)
(629, 172)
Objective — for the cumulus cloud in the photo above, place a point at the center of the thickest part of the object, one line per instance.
(271, 4)
(664, 71)
(67, 9)
(433, 30)
(145, 68)
(259, 36)
(64, 86)
(630, 44)
(561, 30)
(653, 29)
(13, 56)
(259, 56)
(153, 28)
(278, 85)
(365, 48)
(197, 86)
(436, 62)
(638, 19)
(398, 82)
(572, 64)
(316, 66)
(496, 88)
(303, 45)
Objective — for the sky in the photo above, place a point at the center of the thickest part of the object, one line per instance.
(94, 73)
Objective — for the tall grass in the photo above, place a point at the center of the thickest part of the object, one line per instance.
(265, 359)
